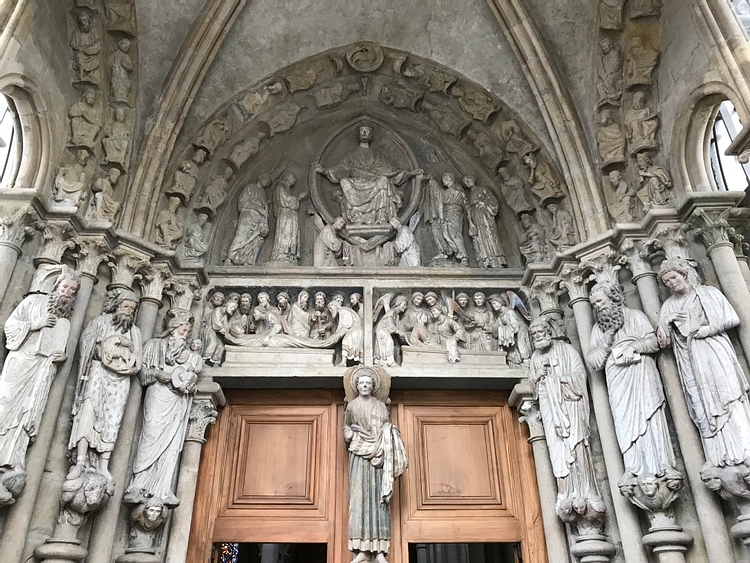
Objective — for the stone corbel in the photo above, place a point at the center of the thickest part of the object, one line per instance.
(203, 413)
(528, 407)
(92, 251)
(16, 227)
(58, 236)
(124, 266)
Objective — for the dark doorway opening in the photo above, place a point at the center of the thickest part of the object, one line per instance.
(464, 553)
(270, 553)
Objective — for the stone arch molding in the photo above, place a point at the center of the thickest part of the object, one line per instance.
(286, 121)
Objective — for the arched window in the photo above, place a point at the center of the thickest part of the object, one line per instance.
(729, 174)
(10, 142)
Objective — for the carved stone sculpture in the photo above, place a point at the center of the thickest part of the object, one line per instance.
(242, 151)
(169, 226)
(196, 237)
(610, 14)
(218, 326)
(486, 149)
(252, 223)
(446, 120)
(478, 322)
(85, 121)
(286, 208)
(116, 140)
(401, 96)
(541, 179)
(377, 456)
(300, 320)
(328, 248)
(512, 331)
(104, 205)
(623, 206)
(72, 180)
(433, 79)
(121, 16)
(515, 141)
(121, 66)
(623, 344)
(558, 379)
(444, 211)
(215, 193)
(641, 124)
(640, 61)
(446, 332)
(110, 354)
(483, 210)
(280, 118)
(405, 246)
(534, 244)
(169, 373)
(694, 321)
(86, 41)
(186, 177)
(36, 334)
(563, 234)
(653, 181)
(322, 323)
(609, 72)
(365, 56)
(389, 326)
(369, 183)
(610, 139)
(216, 133)
(349, 324)
(515, 192)
(474, 102)
(330, 95)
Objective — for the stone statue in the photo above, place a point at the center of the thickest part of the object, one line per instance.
(486, 150)
(356, 304)
(512, 331)
(169, 228)
(328, 249)
(252, 224)
(349, 324)
(515, 192)
(300, 320)
(86, 42)
(217, 300)
(377, 456)
(116, 140)
(216, 133)
(515, 140)
(72, 180)
(196, 235)
(558, 379)
(541, 179)
(215, 193)
(85, 121)
(642, 124)
(623, 206)
(483, 209)
(610, 14)
(563, 234)
(447, 333)
(405, 245)
(389, 325)
(322, 323)
(534, 245)
(104, 206)
(369, 183)
(653, 181)
(110, 354)
(36, 334)
(610, 139)
(286, 208)
(623, 344)
(218, 326)
(242, 321)
(694, 321)
(444, 211)
(243, 150)
(169, 373)
(478, 322)
(186, 177)
(640, 62)
(121, 66)
(609, 72)
(415, 319)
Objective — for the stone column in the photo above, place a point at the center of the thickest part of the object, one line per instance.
(573, 281)
(203, 413)
(739, 244)
(154, 279)
(15, 227)
(554, 529)
(707, 506)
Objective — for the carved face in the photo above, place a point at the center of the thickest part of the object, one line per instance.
(365, 134)
(202, 218)
(529, 159)
(113, 175)
(675, 282)
(447, 179)
(435, 312)
(417, 299)
(196, 345)
(82, 157)
(605, 117)
(479, 299)
(552, 208)
(639, 100)
(231, 307)
(89, 96)
(320, 301)
(463, 300)
(643, 160)
(540, 336)
(526, 220)
(599, 300)
(339, 223)
(606, 46)
(124, 45)
(355, 299)
(217, 299)
(333, 308)
(84, 22)
(496, 304)
(649, 486)
(199, 156)
(431, 299)
(68, 288)
(127, 307)
(263, 299)
(365, 385)
(282, 301)
(182, 330)
(615, 177)
(120, 115)
(153, 513)
(303, 299)
(468, 182)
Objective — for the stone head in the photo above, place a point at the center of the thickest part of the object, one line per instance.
(496, 302)
(227, 173)
(400, 304)
(201, 218)
(540, 334)
(417, 298)
(84, 22)
(435, 312)
(649, 484)
(605, 45)
(289, 178)
(643, 160)
(120, 115)
(82, 157)
(246, 303)
(127, 307)
(615, 176)
(68, 284)
(639, 100)
(364, 133)
(479, 299)
(355, 299)
(320, 300)
(174, 203)
(89, 96)
(196, 345)
(463, 300)
(529, 159)
(605, 117)
(447, 179)
(468, 182)
(124, 44)
(526, 220)
(282, 300)
(153, 512)
(200, 156)
(339, 223)
(264, 299)
(364, 385)
(552, 208)
(218, 299)
(504, 173)
(431, 298)
(264, 181)
(232, 303)
(333, 308)
(113, 175)
(303, 299)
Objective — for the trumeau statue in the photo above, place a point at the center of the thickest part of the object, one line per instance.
(121, 66)
(542, 179)
(623, 206)
(169, 373)
(72, 180)
(36, 335)
(642, 124)
(611, 139)
(377, 456)
(110, 354)
(252, 224)
(609, 71)
(515, 192)
(169, 226)
(444, 211)
(483, 209)
(116, 140)
(558, 379)
(286, 209)
(85, 121)
(86, 41)
(694, 321)
(623, 344)
(640, 61)
(104, 206)
(653, 181)
(369, 183)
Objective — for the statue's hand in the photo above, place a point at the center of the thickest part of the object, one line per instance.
(472, 232)
(662, 338)
(47, 322)
(59, 358)
(701, 332)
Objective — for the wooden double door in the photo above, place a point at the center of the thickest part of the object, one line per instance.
(274, 470)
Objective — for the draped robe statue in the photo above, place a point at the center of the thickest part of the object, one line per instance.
(252, 224)
(286, 209)
(376, 457)
(389, 325)
(483, 210)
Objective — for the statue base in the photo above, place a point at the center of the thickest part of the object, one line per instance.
(369, 231)
(60, 551)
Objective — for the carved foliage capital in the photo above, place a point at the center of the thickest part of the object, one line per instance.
(573, 280)
(58, 236)
(546, 292)
(15, 227)
(183, 292)
(154, 279)
(635, 257)
(529, 410)
(712, 225)
(202, 413)
(92, 251)
(124, 265)
(669, 238)
(604, 265)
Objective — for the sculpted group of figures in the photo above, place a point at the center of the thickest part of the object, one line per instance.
(479, 323)
(112, 356)
(694, 322)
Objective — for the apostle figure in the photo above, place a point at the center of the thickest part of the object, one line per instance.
(86, 41)
(328, 248)
(563, 234)
(300, 318)
(110, 354)
(36, 334)
(609, 73)
(623, 206)
(104, 206)
(286, 209)
(169, 373)
(169, 226)
(322, 322)
(623, 344)
(215, 193)
(478, 322)
(695, 321)
(515, 192)
(217, 300)
(534, 244)
(252, 223)
(85, 121)
(640, 61)
(610, 138)
(483, 210)
(641, 123)
(121, 65)
(444, 211)
(376, 457)
(349, 325)
(185, 178)
(369, 182)
(541, 179)
(558, 379)
(448, 333)
(72, 180)
(116, 140)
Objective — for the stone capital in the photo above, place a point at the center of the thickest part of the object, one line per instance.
(57, 237)
(92, 251)
(183, 292)
(155, 278)
(16, 226)
(604, 264)
(712, 225)
(203, 413)
(124, 265)
(670, 239)
(635, 257)
(546, 292)
(573, 280)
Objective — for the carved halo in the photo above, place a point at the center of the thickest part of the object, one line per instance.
(381, 380)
